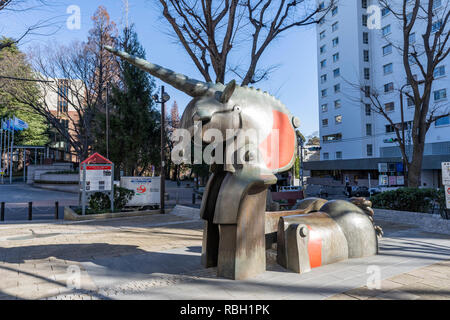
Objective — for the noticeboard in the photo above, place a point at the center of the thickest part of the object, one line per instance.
(446, 173)
(96, 175)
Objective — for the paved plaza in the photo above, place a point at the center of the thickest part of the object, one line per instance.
(158, 257)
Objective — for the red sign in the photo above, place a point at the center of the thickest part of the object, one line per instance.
(98, 168)
(96, 158)
(141, 189)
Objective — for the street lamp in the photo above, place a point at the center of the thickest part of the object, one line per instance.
(164, 98)
(300, 144)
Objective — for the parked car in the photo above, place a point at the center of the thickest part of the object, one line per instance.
(358, 191)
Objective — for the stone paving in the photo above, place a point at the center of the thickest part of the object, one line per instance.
(158, 257)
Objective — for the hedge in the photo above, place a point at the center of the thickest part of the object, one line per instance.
(410, 199)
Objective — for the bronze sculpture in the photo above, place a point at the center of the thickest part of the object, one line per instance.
(262, 143)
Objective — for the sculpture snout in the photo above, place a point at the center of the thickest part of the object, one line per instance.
(202, 115)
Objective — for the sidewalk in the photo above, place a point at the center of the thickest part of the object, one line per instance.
(158, 257)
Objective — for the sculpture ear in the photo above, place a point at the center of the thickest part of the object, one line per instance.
(228, 92)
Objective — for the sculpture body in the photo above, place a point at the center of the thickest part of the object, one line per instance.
(256, 133)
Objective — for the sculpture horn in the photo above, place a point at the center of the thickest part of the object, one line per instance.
(192, 87)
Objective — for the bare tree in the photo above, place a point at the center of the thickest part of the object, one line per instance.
(421, 56)
(72, 84)
(46, 26)
(209, 30)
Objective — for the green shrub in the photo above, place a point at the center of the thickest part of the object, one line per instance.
(100, 203)
(409, 199)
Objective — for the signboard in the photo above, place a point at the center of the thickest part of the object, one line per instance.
(98, 178)
(447, 196)
(96, 175)
(146, 190)
(400, 180)
(383, 180)
(383, 167)
(392, 180)
(446, 173)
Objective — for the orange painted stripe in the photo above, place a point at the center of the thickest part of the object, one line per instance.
(314, 248)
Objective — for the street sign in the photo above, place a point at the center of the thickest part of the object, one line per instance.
(446, 173)
(447, 196)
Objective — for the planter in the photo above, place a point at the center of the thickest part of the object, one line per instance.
(70, 215)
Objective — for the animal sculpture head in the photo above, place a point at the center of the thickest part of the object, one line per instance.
(263, 121)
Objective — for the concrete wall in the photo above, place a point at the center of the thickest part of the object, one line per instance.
(34, 172)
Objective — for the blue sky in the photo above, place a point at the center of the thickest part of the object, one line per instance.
(294, 82)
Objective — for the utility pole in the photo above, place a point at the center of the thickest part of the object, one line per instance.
(107, 121)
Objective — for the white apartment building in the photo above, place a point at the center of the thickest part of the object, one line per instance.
(351, 54)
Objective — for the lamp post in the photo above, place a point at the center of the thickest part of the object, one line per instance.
(300, 144)
(164, 98)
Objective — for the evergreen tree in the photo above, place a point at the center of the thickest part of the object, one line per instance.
(134, 122)
(16, 71)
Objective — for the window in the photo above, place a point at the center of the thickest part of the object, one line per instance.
(337, 88)
(321, 5)
(385, 11)
(439, 72)
(335, 42)
(367, 91)
(334, 11)
(389, 107)
(338, 154)
(364, 4)
(326, 156)
(442, 121)
(440, 94)
(323, 49)
(365, 37)
(388, 68)
(335, 26)
(412, 37)
(336, 57)
(366, 55)
(323, 63)
(63, 92)
(332, 137)
(387, 49)
(368, 109)
(386, 30)
(322, 21)
(388, 87)
(409, 82)
(368, 129)
(325, 122)
(366, 73)
(324, 92)
(336, 72)
(322, 35)
(410, 102)
(337, 104)
(390, 128)
(324, 107)
(323, 78)
(369, 149)
(364, 20)
(338, 119)
(436, 26)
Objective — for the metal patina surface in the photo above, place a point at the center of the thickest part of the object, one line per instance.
(262, 143)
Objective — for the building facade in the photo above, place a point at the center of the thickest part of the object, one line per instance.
(357, 49)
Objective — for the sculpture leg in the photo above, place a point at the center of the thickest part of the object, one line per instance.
(242, 252)
(210, 246)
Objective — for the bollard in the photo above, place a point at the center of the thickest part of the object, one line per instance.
(2, 212)
(57, 210)
(30, 211)
(193, 198)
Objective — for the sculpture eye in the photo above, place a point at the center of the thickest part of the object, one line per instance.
(237, 108)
